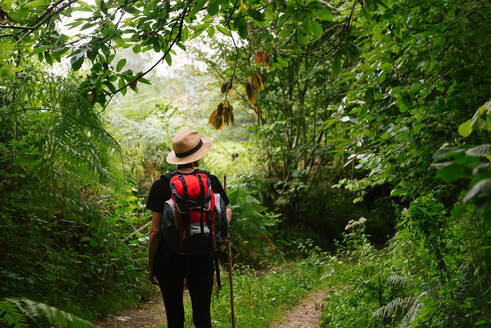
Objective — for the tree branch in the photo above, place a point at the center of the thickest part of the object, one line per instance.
(45, 17)
(17, 27)
(178, 37)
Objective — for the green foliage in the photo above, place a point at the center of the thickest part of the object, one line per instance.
(406, 285)
(10, 315)
(16, 312)
(56, 165)
(252, 228)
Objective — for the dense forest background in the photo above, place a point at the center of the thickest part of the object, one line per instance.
(355, 136)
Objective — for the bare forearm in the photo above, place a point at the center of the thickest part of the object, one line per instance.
(229, 214)
(153, 245)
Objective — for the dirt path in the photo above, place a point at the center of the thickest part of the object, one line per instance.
(306, 314)
(151, 314)
(147, 315)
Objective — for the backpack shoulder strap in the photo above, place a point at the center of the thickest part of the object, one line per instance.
(169, 175)
(203, 172)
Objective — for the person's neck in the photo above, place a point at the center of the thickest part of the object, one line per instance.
(186, 169)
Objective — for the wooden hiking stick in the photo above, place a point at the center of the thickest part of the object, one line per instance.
(229, 246)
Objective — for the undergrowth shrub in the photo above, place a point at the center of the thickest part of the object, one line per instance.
(422, 279)
(252, 228)
(57, 189)
(20, 313)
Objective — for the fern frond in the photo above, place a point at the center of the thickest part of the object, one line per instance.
(37, 311)
(413, 311)
(10, 316)
(395, 307)
(399, 282)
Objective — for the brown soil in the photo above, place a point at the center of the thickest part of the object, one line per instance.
(304, 315)
(151, 314)
(146, 315)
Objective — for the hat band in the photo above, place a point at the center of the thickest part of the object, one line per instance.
(192, 151)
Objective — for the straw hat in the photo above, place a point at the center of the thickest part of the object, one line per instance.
(188, 147)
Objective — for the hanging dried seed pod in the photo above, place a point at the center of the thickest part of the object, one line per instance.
(251, 93)
(259, 82)
(212, 118)
(265, 59)
(256, 81)
(221, 115)
(220, 109)
(226, 87)
(258, 57)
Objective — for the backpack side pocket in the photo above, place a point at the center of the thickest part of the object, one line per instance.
(169, 228)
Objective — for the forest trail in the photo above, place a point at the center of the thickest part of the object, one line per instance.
(306, 314)
(147, 315)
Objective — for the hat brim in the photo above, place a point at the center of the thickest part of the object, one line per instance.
(173, 159)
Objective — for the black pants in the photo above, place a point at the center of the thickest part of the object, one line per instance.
(198, 270)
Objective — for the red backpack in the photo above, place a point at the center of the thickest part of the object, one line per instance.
(194, 219)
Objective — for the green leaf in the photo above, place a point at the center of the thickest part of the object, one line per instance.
(241, 24)
(458, 211)
(301, 37)
(256, 15)
(168, 59)
(213, 7)
(316, 28)
(211, 31)
(132, 10)
(37, 3)
(223, 30)
(144, 80)
(80, 9)
(345, 77)
(401, 104)
(199, 5)
(185, 34)
(452, 172)
(121, 83)
(7, 71)
(307, 25)
(77, 60)
(120, 64)
(110, 86)
(103, 7)
(180, 45)
(336, 65)
(38, 49)
(156, 45)
(85, 5)
(137, 48)
(109, 30)
(465, 129)
(47, 57)
(323, 14)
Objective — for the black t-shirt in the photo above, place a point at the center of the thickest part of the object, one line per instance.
(160, 191)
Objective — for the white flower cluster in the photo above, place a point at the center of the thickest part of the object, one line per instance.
(352, 223)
